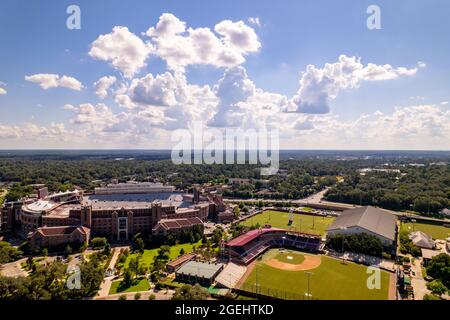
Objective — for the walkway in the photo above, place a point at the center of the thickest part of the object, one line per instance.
(417, 281)
(106, 283)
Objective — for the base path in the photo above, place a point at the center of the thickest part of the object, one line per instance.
(310, 262)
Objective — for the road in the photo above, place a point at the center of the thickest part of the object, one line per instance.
(316, 199)
(417, 281)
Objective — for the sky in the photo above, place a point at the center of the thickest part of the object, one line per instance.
(135, 72)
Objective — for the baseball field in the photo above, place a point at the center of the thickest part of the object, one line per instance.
(284, 274)
(302, 222)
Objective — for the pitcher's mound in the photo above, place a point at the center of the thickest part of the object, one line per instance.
(309, 263)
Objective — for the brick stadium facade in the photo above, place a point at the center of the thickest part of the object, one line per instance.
(115, 216)
(247, 247)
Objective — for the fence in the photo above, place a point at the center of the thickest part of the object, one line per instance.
(261, 292)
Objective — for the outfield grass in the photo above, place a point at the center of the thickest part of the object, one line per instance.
(302, 222)
(147, 257)
(139, 285)
(332, 280)
(434, 230)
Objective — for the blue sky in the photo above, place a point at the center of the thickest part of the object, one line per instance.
(290, 36)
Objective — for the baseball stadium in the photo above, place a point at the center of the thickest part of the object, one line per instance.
(276, 263)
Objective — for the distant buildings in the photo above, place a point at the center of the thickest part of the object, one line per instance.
(133, 187)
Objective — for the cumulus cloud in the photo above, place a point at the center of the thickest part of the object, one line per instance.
(166, 100)
(123, 49)
(2, 91)
(318, 86)
(50, 80)
(180, 46)
(103, 84)
(31, 131)
(232, 88)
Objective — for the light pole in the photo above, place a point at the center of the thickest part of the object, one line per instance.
(309, 274)
(343, 241)
(313, 220)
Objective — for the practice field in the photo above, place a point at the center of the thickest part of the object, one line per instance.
(302, 222)
(139, 285)
(434, 230)
(149, 254)
(330, 278)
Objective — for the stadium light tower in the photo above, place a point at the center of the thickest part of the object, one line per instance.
(343, 241)
(308, 294)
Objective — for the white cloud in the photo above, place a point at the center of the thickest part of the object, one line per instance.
(254, 21)
(318, 86)
(123, 49)
(49, 80)
(180, 46)
(2, 90)
(239, 36)
(167, 99)
(102, 85)
(232, 88)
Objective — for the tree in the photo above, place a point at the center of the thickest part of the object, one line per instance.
(431, 297)
(151, 296)
(436, 287)
(68, 250)
(127, 279)
(45, 252)
(142, 269)
(140, 245)
(107, 250)
(439, 268)
(188, 292)
(181, 251)
(9, 253)
(123, 297)
(137, 296)
(99, 243)
(236, 211)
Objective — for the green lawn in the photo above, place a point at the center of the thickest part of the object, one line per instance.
(302, 222)
(139, 285)
(148, 255)
(434, 230)
(332, 280)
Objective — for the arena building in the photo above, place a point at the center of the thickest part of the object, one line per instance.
(117, 216)
(369, 220)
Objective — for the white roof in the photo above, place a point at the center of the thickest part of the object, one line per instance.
(421, 240)
(40, 205)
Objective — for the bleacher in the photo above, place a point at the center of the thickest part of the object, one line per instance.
(231, 275)
(246, 252)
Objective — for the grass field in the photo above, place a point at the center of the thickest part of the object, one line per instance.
(302, 222)
(332, 280)
(435, 231)
(148, 255)
(140, 285)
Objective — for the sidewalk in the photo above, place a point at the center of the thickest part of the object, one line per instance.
(106, 283)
